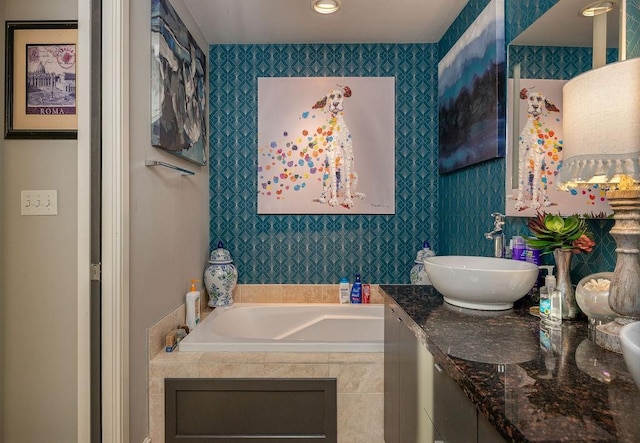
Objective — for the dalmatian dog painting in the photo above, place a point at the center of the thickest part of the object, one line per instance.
(534, 153)
(535, 148)
(326, 145)
(339, 161)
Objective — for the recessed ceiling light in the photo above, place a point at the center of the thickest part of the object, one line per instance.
(596, 8)
(325, 6)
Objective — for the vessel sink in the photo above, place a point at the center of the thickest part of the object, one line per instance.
(485, 283)
(630, 343)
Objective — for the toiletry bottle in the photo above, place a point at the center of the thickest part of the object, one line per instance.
(356, 290)
(555, 302)
(366, 293)
(344, 292)
(518, 248)
(192, 301)
(555, 296)
(545, 304)
(544, 270)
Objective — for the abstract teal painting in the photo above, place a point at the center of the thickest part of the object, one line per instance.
(471, 94)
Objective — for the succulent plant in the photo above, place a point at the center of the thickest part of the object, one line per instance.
(551, 232)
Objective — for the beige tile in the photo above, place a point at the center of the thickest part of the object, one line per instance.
(376, 295)
(260, 293)
(210, 358)
(358, 377)
(265, 370)
(360, 418)
(156, 418)
(157, 333)
(160, 368)
(356, 357)
(297, 357)
(330, 293)
(177, 357)
(302, 294)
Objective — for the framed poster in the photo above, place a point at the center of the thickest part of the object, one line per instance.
(178, 96)
(471, 94)
(40, 85)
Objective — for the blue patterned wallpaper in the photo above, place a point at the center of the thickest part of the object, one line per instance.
(520, 15)
(633, 28)
(322, 248)
(469, 196)
(452, 211)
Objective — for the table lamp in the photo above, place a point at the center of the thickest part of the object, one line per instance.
(601, 130)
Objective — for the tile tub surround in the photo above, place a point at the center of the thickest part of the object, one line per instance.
(359, 375)
(585, 394)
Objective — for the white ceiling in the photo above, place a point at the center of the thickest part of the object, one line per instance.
(293, 21)
(373, 21)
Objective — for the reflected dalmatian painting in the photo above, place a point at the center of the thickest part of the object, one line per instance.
(326, 145)
(535, 156)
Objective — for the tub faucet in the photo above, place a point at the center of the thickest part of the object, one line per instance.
(497, 235)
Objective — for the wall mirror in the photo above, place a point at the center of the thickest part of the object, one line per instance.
(558, 46)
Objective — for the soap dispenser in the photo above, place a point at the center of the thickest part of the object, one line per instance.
(418, 275)
(220, 277)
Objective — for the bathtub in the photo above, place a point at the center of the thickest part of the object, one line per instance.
(276, 327)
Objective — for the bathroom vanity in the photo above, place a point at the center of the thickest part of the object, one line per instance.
(470, 376)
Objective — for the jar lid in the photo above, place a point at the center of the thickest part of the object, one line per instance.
(424, 252)
(220, 256)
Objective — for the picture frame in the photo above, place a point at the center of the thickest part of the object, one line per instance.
(40, 83)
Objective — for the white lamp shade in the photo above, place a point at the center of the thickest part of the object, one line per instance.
(601, 125)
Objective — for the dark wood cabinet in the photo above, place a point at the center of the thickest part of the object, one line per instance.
(422, 402)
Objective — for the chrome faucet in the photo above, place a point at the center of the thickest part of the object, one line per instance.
(497, 235)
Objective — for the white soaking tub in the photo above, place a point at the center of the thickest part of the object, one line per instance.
(295, 327)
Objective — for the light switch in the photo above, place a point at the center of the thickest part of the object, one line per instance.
(39, 202)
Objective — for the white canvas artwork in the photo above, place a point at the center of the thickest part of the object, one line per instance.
(326, 145)
(534, 155)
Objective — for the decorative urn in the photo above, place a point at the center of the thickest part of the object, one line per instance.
(220, 277)
(418, 275)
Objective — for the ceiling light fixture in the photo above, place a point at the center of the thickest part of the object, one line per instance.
(596, 8)
(325, 6)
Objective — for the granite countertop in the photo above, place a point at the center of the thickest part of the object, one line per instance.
(532, 384)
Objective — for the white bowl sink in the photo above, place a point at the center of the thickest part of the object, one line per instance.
(485, 283)
(630, 343)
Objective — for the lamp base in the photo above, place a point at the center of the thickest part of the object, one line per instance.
(608, 335)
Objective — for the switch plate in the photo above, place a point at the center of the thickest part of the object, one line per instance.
(39, 202)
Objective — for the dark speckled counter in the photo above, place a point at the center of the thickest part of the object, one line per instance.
(533, 385)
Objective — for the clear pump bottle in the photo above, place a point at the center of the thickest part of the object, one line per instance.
(555, 301)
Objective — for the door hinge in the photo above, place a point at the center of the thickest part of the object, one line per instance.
(96, 271)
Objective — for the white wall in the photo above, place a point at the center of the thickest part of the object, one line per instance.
(39, 276)
(169, 217)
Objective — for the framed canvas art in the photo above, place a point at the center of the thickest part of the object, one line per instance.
(326, 145)
(178, 94)
(471, 94)
(40, 101)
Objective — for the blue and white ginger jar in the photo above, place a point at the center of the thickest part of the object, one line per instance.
(418, 275)
(220, 277)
